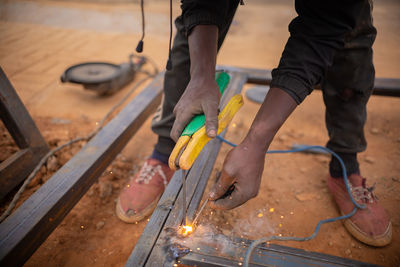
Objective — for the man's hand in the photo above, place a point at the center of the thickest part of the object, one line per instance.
(202, 93)
(243, 168)
(244, 164)
(200, 96)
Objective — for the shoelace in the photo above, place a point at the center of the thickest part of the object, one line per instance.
(147, 173)
(363, 193)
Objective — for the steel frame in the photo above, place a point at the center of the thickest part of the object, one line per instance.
(26, 229)
(150, 249)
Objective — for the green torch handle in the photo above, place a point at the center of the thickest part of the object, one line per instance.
(198, 121)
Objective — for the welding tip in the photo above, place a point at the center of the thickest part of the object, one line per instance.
(200, 211)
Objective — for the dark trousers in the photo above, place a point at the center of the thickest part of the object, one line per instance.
(347, 86)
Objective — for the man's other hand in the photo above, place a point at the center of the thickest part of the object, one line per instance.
(240, 178)
(202, 95)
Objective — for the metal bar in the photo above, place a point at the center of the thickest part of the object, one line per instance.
(25, 134)
(382, 86)
(257, 76)
(23, 232)
(238, 80)
(15, 168)
(271, 255)
(153, 228)
(201, 170)
(16, 118)
(184, 218)
(149, 254)
(151, 233)
(387, 87)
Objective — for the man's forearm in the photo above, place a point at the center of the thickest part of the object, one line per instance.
(203, 43)
(277, 107)
(202, 93)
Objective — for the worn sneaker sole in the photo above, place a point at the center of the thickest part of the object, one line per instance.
(379, 241)
(137, 217)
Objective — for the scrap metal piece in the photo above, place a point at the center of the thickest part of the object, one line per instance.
(175, 251)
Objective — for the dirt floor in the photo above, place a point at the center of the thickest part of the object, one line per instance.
(40, 39)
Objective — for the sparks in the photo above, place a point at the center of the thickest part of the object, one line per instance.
(271, 210)
(186, 230)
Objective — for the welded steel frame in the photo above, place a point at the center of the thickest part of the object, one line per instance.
(150, 250)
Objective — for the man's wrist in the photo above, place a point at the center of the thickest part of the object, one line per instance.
(272, 114)
(203, 75)
(259, 137)
(203, 43)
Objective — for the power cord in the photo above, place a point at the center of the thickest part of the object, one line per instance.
(257, 242)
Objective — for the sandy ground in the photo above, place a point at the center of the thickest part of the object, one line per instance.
(40, 39)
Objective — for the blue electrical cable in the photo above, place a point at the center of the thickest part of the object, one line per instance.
(290, 238)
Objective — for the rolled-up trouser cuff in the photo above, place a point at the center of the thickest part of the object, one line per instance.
(350, 162)
(290, 84)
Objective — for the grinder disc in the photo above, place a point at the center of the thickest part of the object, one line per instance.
(91, 73)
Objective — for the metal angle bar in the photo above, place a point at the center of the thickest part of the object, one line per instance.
(168, 207)
(184, 218)
(16, 118)
(382, 86)
(273, 255)
(257, 76)
(148, 239)
(16, 168)
(146, 242)
(238, 80)
(200, 173)
(24, 231)
(26, 135)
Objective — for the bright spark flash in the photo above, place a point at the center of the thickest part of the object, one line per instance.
(186, 230)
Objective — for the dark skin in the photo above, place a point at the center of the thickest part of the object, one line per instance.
(202, 94)
(244, 164)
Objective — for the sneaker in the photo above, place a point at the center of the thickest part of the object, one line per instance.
(140, 196)
(371, 225)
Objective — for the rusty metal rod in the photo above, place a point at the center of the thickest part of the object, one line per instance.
(200, 211)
